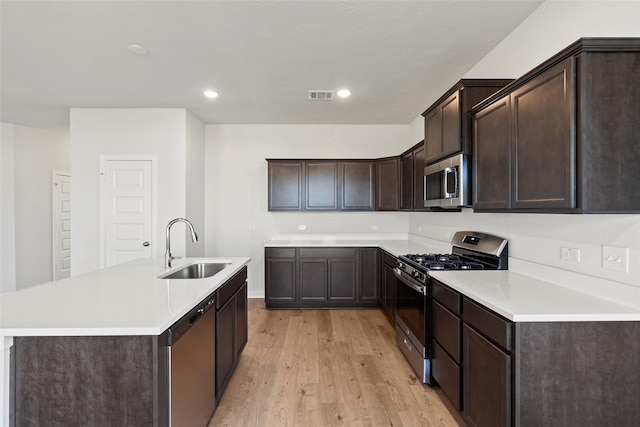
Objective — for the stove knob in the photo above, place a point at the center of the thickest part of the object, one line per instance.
(400, 264)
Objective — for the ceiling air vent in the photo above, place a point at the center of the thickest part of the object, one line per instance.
(321, 95)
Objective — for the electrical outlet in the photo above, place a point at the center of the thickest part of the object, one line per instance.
(570, 254)
(302, 227)
(615, 258)
(252, 226)
(375, 227)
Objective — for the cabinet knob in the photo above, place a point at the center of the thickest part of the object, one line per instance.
(146, 244)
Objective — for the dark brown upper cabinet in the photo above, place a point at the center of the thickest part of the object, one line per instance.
(357, 185)
(387, 174)
(406, 180)
(419, 163)
(564, 137)
(447, 123)
(286, 185)
(321, 185)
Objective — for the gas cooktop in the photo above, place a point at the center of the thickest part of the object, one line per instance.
(444, 262)
(471, 250)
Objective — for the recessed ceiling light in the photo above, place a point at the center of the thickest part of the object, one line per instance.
(211, 94)
(344, 93)
(137, 49)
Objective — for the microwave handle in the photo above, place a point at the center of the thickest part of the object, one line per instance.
(424, 187)
(445, 184)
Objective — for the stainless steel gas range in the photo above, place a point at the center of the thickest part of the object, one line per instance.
(470, 251)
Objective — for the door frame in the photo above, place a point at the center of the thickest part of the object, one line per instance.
(54, 174)
(154, 200)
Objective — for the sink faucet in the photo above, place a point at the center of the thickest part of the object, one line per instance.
(194, 238)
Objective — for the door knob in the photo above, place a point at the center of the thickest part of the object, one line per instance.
(146, 244)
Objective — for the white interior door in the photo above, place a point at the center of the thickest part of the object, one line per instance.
(61, 208)
(127, 210)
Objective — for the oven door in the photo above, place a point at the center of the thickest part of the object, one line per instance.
(413, 311)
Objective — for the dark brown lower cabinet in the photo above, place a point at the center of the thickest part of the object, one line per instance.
(388, 285)
(280, 277)
(320, 277)
(231, 329)
(486, 381)
(367, 292)
(446, 360)
(530, 374)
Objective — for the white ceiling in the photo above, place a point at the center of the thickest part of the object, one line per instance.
(261, 56)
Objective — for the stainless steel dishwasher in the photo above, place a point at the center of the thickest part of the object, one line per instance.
(192, 369)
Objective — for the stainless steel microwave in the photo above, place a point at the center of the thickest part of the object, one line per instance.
(446, 183)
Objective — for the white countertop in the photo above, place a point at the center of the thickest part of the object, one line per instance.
(394, 244)
(126, 299)
(516, 296)
(522, 298)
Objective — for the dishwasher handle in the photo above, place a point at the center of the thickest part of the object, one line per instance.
(179, 328)
(196, 316)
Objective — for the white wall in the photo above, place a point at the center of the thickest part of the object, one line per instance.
(38, 151)
(195, 183)
(7, 224)
(144, 132)
(236, 185)
(537, 239)
(553, 26)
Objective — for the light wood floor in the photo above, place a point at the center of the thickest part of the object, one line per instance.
(327, 368)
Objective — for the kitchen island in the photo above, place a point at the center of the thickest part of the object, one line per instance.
(118, 317)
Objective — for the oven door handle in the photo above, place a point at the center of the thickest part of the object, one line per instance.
(397, 272)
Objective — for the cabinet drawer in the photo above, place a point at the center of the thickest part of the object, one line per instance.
(446, 330)
(280, 252)
(447, 374)
(494, 327)
(447, 297)
(327, 252)
(388, 259)
(227, 290)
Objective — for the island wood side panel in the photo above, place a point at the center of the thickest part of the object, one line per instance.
(84, 381)
(577, 374)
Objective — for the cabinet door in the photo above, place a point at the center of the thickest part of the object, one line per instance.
(418, 177)
(543, 140)
(387, 184)
(491, 156)
(285, 185)
(451, 126)
(321, 185)
(486, 381)
(382, 283)
(225, 351)
(280, 280)
(406, 181)
(356, 193)
(368, 278)
(433, 135)
(342, 279)
(313, 279)
(242, 326)
(390, 292)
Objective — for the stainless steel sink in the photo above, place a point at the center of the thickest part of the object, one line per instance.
(198, 270)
